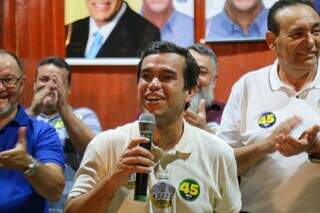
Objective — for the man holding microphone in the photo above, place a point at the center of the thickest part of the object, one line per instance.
(199, 168)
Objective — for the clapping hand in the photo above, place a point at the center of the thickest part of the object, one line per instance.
(288, 146)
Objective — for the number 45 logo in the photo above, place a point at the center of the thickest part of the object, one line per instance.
(266, 120)
(189, 189)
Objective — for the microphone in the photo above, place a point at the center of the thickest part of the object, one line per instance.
(147, 121)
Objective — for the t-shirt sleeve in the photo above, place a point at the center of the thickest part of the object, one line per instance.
(90, 119)
(90, 172)
(230, 122)
(48, 147)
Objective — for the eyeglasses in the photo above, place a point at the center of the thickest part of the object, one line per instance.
(10, 81)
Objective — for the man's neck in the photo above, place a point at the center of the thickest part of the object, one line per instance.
(4, 121)
(158, 19)
(297, 79)
(49, 113)
(167, 136)
(247, 17)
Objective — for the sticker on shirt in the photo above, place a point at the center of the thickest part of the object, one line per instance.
(58, 124)
(189, 189)
(266, 120)
(131, 181)
(162, 195)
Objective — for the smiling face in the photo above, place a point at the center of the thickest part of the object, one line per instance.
(244, 5)
(297, 45)
(161, 87)
(9, 94)
(158, 6)
(103, 11)
(207, 77)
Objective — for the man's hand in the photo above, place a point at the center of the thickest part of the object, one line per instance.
(61, 92)
(37, 103)
(16, 158)
(283, 130)
(197, 119)
(134, 159)
(288, 146)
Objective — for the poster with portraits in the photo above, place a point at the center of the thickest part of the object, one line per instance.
(101, 29)
(236, 20)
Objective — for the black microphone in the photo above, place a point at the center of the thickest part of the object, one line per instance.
(147, 121)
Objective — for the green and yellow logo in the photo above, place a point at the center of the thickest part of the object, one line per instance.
(58, 124)
(266, 120)
(189, 189)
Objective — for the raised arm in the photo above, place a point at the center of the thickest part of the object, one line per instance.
(47, 179)
(133, 159)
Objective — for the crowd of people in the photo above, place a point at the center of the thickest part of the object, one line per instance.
(260, 152)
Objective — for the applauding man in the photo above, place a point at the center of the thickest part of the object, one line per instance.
(31, 157)
(76, 127)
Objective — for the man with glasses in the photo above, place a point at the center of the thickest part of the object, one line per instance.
(75, 127)
(31, 156)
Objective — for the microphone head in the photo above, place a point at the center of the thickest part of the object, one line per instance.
(147, 121)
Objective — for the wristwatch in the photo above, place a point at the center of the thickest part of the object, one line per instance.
(314, 158)
(32, 167)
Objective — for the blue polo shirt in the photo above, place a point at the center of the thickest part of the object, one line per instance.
(178, 29)
(17, 194)
(222, 28)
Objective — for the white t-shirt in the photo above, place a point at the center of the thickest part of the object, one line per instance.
(258, 103)
(201, 173)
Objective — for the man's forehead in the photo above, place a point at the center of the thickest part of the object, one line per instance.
(7, 62)
(296, 13)
(168, 58)
(51, 70)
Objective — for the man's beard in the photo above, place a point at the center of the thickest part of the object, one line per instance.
(7, 110)
(205, 93)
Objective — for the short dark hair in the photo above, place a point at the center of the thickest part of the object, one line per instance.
(203, 50)
(273, 25)
(57, 61)
(191, 69)
(15, 57)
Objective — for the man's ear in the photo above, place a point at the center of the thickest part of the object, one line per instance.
(22, 83)
(34, 86)
(271, 40)
(190, 93)
(69, 88)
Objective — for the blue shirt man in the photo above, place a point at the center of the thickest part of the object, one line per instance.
(17, 194)
(75, 127)
(223, 28)
(178, 29)
(174, 26)
(31, 155)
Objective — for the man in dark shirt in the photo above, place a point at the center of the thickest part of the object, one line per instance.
(112, 30)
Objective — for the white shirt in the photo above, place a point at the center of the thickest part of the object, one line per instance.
(258, 103)
(106, 29)
(199, 156)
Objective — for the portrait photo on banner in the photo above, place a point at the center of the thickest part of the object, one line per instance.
(236, 20)
(119, 29)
